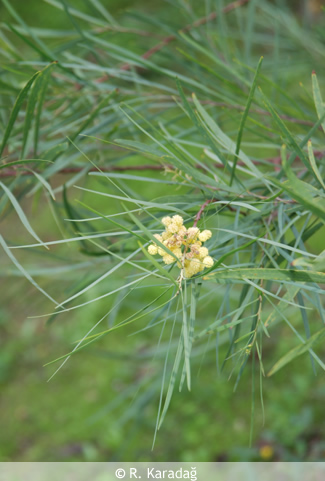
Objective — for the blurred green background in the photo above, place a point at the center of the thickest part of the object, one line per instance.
(102, 405)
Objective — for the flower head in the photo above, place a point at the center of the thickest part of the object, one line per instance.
(166, 221)
(205, 235)
(172, 228)
(208, 261)
(203, 252)
(153, 250)
(184, 245)
(178, 220)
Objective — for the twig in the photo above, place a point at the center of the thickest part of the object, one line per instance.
(10, 172)
(200, 212)
(159, 46)
(118, 29)
(75, 170)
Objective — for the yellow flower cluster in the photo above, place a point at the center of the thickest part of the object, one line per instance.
(185, 244)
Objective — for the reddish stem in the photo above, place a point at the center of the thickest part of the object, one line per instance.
(200, 212)
(122, 168)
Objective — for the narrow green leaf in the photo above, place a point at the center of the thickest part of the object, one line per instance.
(289, 275)
(186, 337)
(313, 164)
(227, 254)
(288, 296)
(20, 162)
(319, 104)
(244, 117)
(285, 133)
(301, 191)
(172, 381)
(19, 101)
(44, 182)
(223, 139)
(298, 351)
(22, 270)
(94, 114)
(42, 86)
(140, 147)
(108, 219)
(21, 214)
(158, 266)
(34, 97)
(134, 201)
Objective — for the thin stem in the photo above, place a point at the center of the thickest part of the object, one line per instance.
(10, 172)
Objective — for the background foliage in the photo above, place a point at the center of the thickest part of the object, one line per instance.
(224, 114)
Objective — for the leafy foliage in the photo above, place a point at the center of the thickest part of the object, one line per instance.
(229, 140)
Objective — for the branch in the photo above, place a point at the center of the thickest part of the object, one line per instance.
(75, 170)
(203, 206)
(201, 21)
(276, 161)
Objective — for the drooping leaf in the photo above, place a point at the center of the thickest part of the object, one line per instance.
(298, 351)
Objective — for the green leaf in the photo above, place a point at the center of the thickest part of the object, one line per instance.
(244, 117)
(186, 339)
(288, 275)
(21, 162)
(298, 351)
(16, 108)
(223, 139)
(285, 133)
(158, 266)
(44, 182)
(140, 147)
(135, 201)
(233, 251)
(319, 104)
(36, 95)
(172, 381)
(21, 214)
(22, 270)
(301, 191)
(313, 163)
(42, 83)
(94, 114)
(108, 219)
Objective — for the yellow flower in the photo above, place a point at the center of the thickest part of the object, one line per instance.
(178, 252)
(165, 235)
(204, 252)
(172, 228)
(208, 261)
(178, 220)
(184, 244)
(192, 233)
(205, 235)
(153, 250)
(166, 220)
(168, 259)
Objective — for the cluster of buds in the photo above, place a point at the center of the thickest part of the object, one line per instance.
(185, 244)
